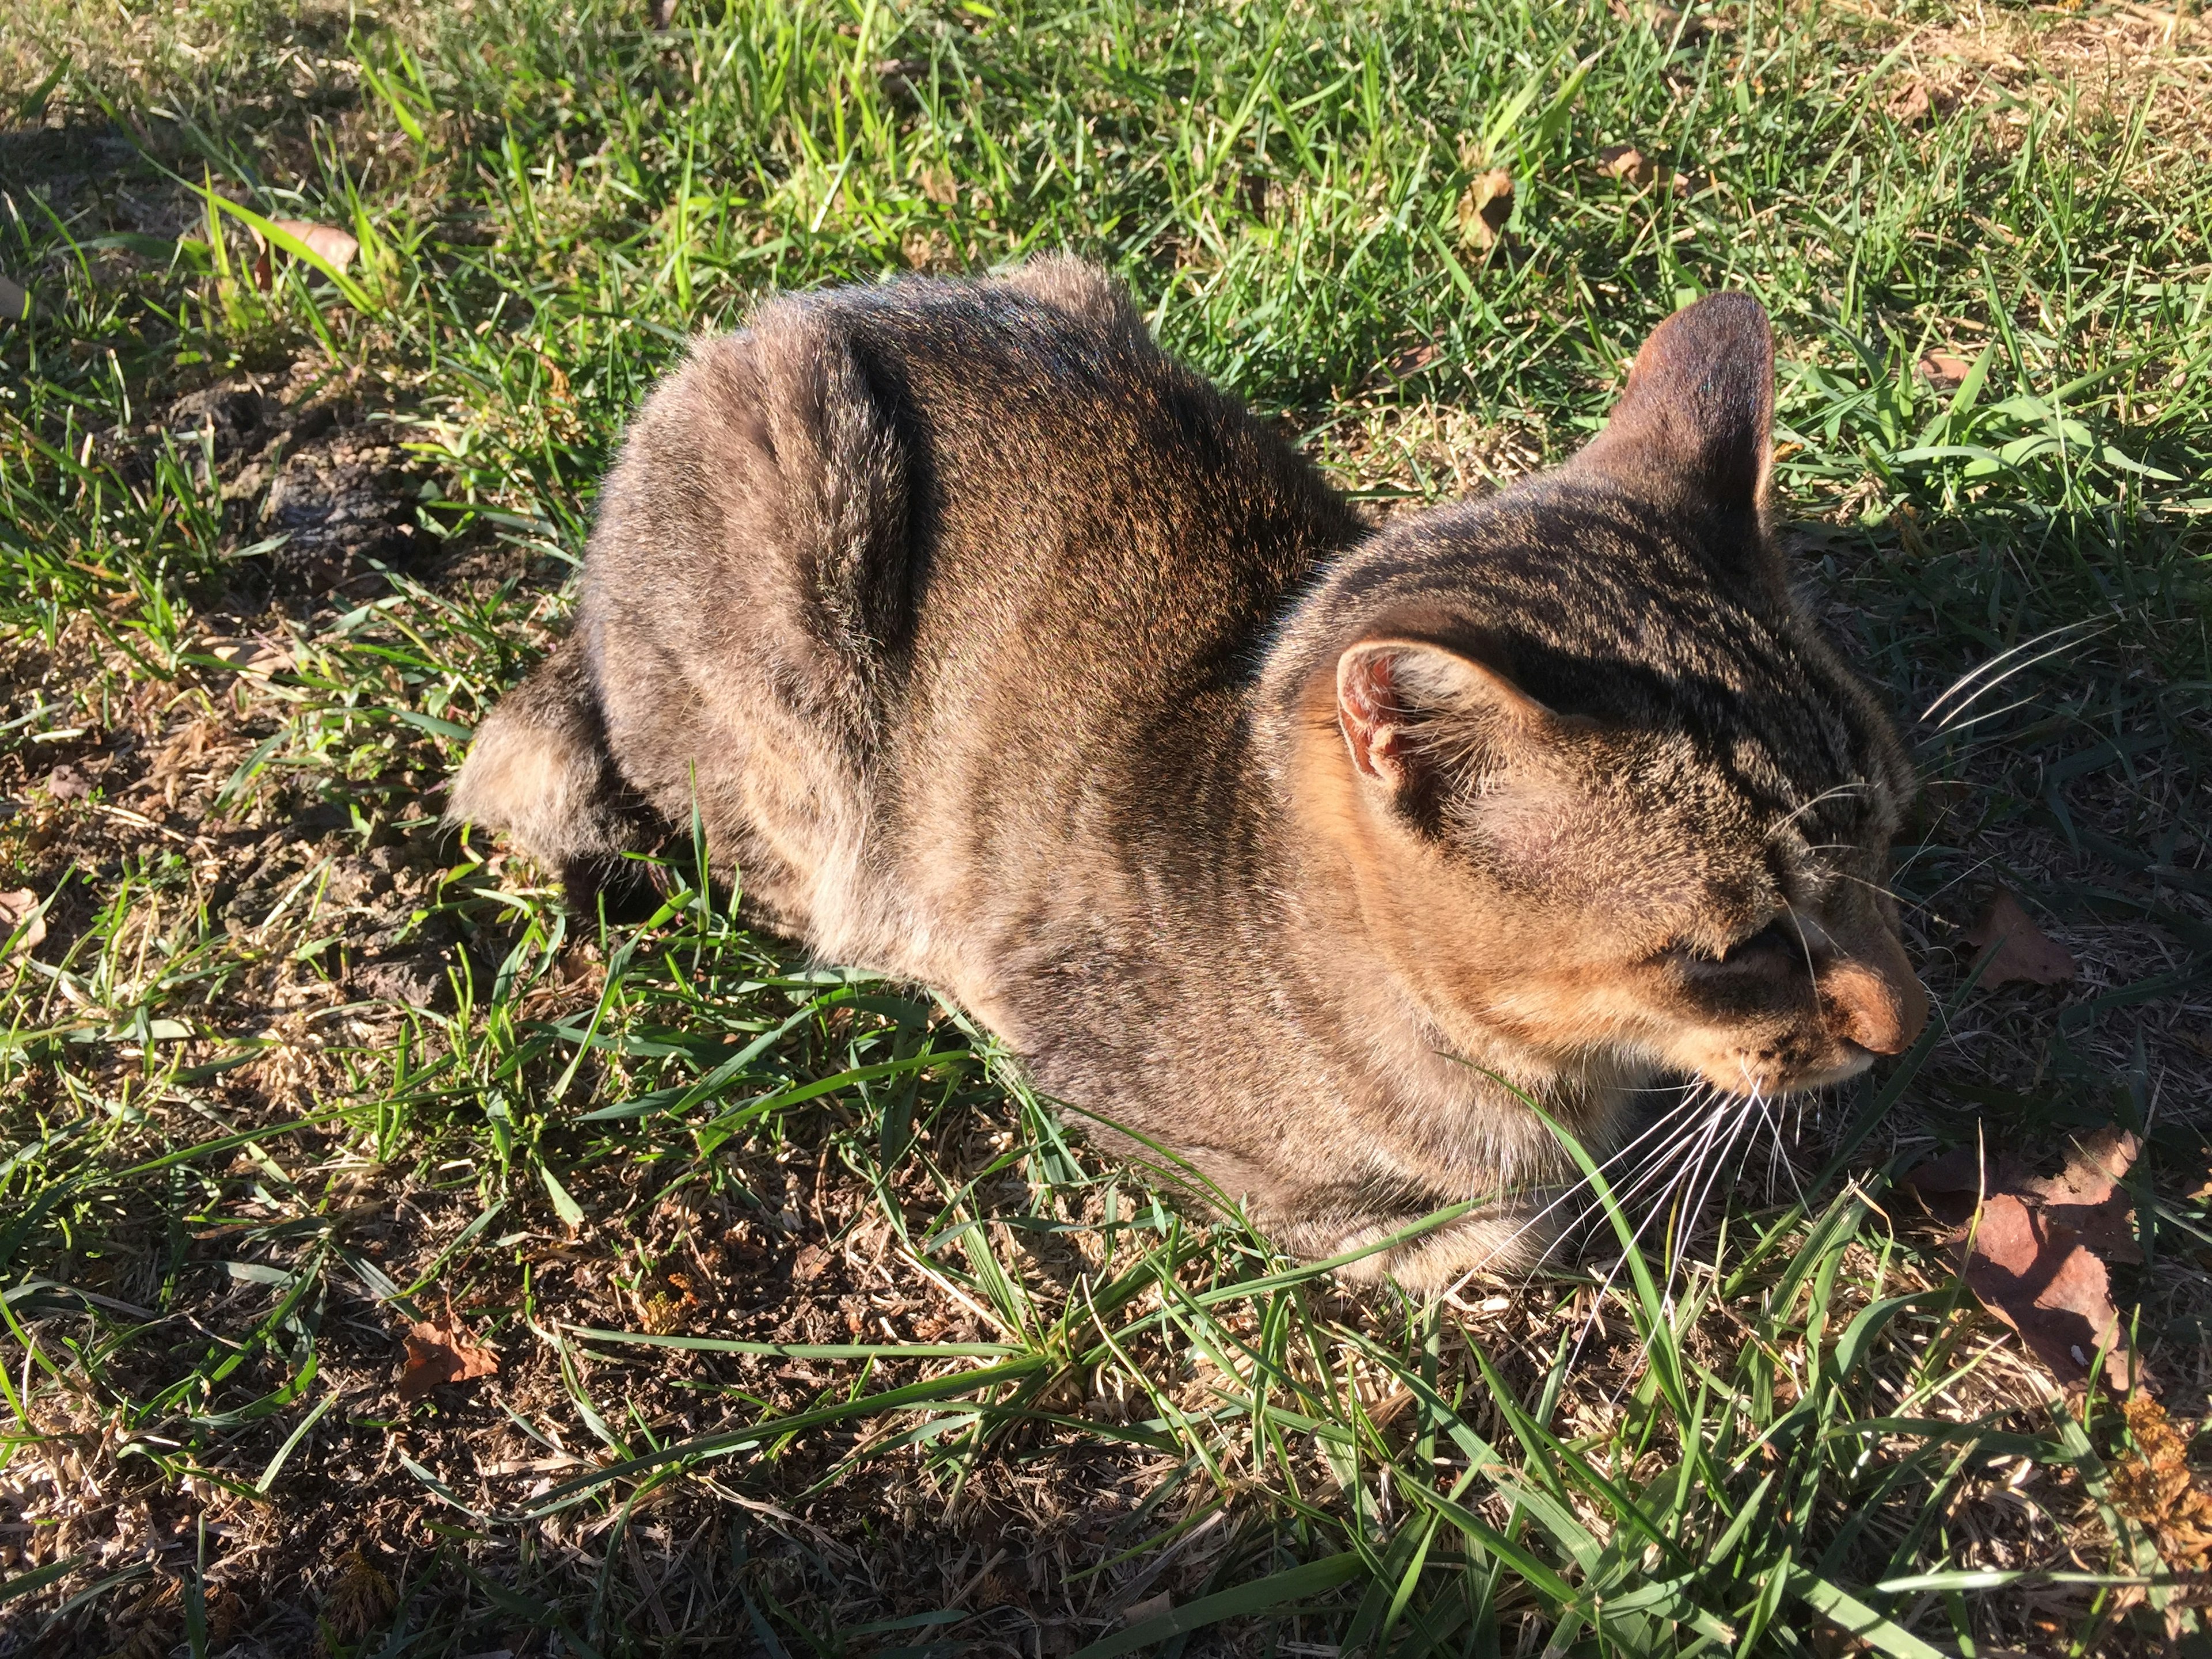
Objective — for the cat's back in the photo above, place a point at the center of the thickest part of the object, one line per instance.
(916, 580)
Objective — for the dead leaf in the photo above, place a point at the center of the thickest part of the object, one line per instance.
(809, 1262)
(438, 1354)
(20, 909)
(15, 303)
(1626, 161)
(1150, 1607)
(2035, 1253)
(1946, 371)
(898, 75)
(1632, 167)
(65, 782)
(1918, 101)
(1951, 1185)
(1413, 359)
(335, 247)
(939, 185)
(2033, 1273)
(255, 660)
(1486, 206)
(2084, 1197)
(2154, 1485)
(2087, 1195)
(2015, 949)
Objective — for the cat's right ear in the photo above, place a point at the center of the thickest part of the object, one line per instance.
(1696, 420)
(1408, 707)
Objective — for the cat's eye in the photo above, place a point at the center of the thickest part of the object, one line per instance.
(1765, 947)
(1777, 939)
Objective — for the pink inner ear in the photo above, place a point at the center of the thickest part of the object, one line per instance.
(1367, 708)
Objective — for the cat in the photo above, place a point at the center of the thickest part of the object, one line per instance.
(1002, 653)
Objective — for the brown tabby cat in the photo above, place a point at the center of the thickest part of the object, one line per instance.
(1002, 653)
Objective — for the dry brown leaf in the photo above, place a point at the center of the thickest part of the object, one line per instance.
(1632, 167)
(2033, 1274)
(810, 1263)
(1413, 359)
(15, 303)
(2035, 1254)
(2087, 1195)
(2015, 949)
(1485, 208)
(19, 908)
(1946, 371)
(66, 782)
(438, 1354)
(253, 659)
(939, 185)
(1150, 1607)
(2155, 1487)
(327, 242)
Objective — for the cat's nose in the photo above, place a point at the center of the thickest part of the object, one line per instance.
(1881, 1007)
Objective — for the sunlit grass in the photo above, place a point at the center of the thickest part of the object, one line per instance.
(817, 1332)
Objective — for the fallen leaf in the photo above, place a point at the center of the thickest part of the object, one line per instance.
(15, 303)
(20, 909)
(2035, 1254)
(2033, 1273)
(1485, 208)
(2087, 1195)
(255, 660)
(1946, 371)
(438, 1354)
(1918, 101)
(1951, 1185)
(65, 782)
(1632, 167)
(2015, 949)
(2084, 1197)
(1626, 161)
(809, 1262)
(938, 185)
(2154, 1485)
(1150, 1607)
(1413, 359)
(334, 246)
(898, 75)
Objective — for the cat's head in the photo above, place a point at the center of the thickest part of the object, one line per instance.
(1602, 792)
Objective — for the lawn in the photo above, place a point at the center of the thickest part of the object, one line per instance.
(396, 1264)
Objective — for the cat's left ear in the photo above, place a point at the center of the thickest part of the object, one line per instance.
(1697, 422)
(1409, 708)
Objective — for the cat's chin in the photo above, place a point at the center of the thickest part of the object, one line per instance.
(1741, 1087)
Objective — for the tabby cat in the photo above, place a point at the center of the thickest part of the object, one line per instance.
(1001, 653)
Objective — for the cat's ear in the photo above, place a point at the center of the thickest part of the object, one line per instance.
(1696, 420)
(1408, 707)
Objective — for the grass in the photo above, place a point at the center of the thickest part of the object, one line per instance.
(816, 1333)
